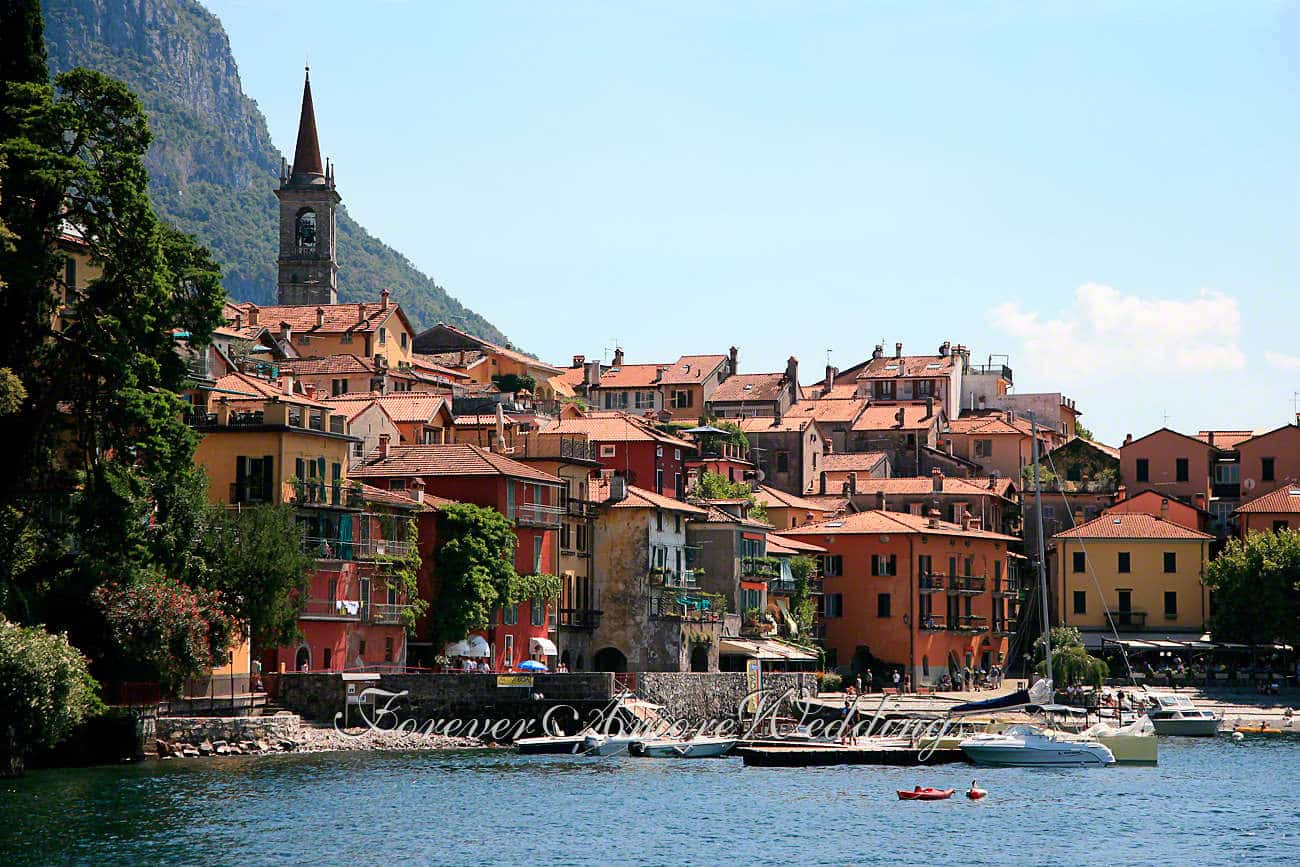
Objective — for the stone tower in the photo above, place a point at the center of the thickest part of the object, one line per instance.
(308, 270)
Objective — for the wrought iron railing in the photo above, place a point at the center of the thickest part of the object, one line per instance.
(385, 613)
(966, 584)
(933, 623)
(537, 515)
(332, 609)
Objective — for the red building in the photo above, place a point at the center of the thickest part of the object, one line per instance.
(632, 447)
(466, 473)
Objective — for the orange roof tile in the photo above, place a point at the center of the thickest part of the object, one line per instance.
(632, 376)
(875, 521)
(691, 369)
(359, 318)
(919, 485)
(1278, 501)
(330, 364)
(426, 364)
(640, 498)
(770, 424)
(776, 499)
(398, 500)
(785, 545)
(743, 387)
(829, 410)
(845, 462)
(238, 386)
(495, 348)
(1131, 525)
(615, 427)
(1225, 439)
(401, 406)
(884, 416)
(886, 367)
(457, 459)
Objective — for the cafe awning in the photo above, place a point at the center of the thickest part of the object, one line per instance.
(478, 647)
(764, 649)
(544, 646)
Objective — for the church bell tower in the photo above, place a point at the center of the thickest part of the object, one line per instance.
(308, 266)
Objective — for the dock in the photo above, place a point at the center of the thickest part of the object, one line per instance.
(806, 756)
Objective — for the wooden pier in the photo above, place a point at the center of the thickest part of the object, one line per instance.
(812, 756)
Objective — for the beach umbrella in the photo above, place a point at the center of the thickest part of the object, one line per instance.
(532, 665)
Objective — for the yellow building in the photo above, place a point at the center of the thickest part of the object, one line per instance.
(363, 329)
(1147, 571)
(482, 361)
(78, 271)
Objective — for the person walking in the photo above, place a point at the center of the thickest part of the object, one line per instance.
(897, 678)
(858, 683)
(907, 683)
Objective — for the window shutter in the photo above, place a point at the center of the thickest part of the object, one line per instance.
(241, 477)
(299, 469)
(268, 479)
(893, 564)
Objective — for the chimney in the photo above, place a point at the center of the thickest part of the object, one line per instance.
(361, 312)
(309, 390)
(618, 356)
(853, 483)
(1011, 416)
(878, 352)
(617, 489)
(933, 518)
(828, 446)
(735, 361)
(936, 480)
(965, 519)
(1210, 438)
(821, 487)
(900, 416)
(993, 480)
(417, 489)
(945, 348)
(579, 360)
(286, 332)
(659, 373)
(1120, 493)
(929, 407)
(1199, 501)
(500, 445)
(383, 299)
(239, 321)
(320, 317)
(1164, 507)
(792, 375)
(383, 445)
(1128, 438)
(252, 314)
(286, 383)
(898, 350)
(591, 373)
(880, 501)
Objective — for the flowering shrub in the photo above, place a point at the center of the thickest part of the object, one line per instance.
(174, 630)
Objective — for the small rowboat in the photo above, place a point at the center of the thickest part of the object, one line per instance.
(975, 794)
(926, 794)
(1257, 730)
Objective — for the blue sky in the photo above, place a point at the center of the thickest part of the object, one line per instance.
(1106, 192)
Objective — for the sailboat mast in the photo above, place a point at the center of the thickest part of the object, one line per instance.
(1042, 556)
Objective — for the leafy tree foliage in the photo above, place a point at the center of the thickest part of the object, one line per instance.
(715, 486)
(474, 569)
(1071, 662)
(45, 692)
(802, 604)
(510, 383)
(1256, 589)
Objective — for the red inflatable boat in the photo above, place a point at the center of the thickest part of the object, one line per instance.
(926, 794)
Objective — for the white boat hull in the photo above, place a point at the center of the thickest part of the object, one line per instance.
(700, 748)
(550, 745)
(1206, 727)
(1025, 749)
(607, 745)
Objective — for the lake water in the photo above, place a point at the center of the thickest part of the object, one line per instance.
(1209, 801)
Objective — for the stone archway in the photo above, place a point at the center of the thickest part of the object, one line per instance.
(302, 662)
(700, 658)
(609, 659)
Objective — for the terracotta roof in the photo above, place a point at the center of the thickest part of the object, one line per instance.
(775, 499)
(632, 376)
(561, 386)
(745, 387)
(1164, 430)
(993, 425)
(876, 521)
(483, 419)
(318, 366)
(1224, 439)
(350, 409)
(401, 501)
(402, 406)
(843, 462)
(247, 387)
(718, 515)
(886, 367)
(458, 459)
(359, 318)
(1283, 499)
(426, 363)
(691, 369)
(453, 360)
(884, 417)
(615, 427)
(640, 498)
(571, 376)
(770, 424)
(952, 485)
(306, 155)
(497, 349)
(833, 503)
(829, 410)
(1268, 433)
(1131, 525)
(839, 390)
(783, 545)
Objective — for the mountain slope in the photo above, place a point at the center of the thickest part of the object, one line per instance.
(212, 167)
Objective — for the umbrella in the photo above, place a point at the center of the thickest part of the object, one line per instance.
(706, 429)
(532, 665)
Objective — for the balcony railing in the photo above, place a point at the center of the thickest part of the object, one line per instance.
(537, 515)
(930, 583)
(247, 493)
(686, 579)
(1006, 587)
(969, 623)
(762, 568)
(996, 369)
(332, 609)
(677, 605)
(318, 493)
(386, 614)
(1004, 627)
(934, 623)
(966, 584)
(580, 508)
(329, 549)
(371, 549)
(580, 618)
(1130, 618)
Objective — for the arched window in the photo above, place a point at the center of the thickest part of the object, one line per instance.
(304, 230)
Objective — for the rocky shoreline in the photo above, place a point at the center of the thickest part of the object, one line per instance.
(198, 737)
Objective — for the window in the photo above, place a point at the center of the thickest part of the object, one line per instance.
(883, 390)
(882, 605)
(582, 537)
(783, 462)
(833, 605)
(397, 485)
(1074, 473)
(304, 230)
(338, 386)
(1181, 471)
(1280, 526)
(329, 657)
(537, 555)
(607, 450)
(566, 536)
(924, 564)
(1171, 562)
(969, 567)
(659, 481)
(659, 520)
(1081, 602)
(1227, 474)
(537, 612)
(1266, 469)
(645, 400)
(983, 448)
(677, 522)
(1123, 565)
(70, 273)
(255, 480)
(832, 565)
(924, 388)
(383, 336)
(1080, 561)
(1143, 470)
(882, 565)
(678, 490)
(616, 400)
(361, 648)
(403, 339)
(1125, 598)
(1171, 604)
(683, 398)
(677, 454)
(509, 650)
(388, 650)
(345, 337)
(510, 615)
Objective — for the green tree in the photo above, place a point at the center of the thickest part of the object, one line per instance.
(1071, 662)
(1255, 584)
(715, 486)
(509, 383)
(45, 692)
(1082, 432)
(474, 569)
(402, 572)
(802, 604)
(254, 558)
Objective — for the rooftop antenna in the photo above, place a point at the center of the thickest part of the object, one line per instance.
(1295, 402)
(1165, 418)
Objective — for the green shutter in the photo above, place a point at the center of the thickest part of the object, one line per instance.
(268, 479)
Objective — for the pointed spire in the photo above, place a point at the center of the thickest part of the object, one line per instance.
(306, 156)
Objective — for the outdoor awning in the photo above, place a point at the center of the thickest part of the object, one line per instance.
(478, 647)
(765, 649)
(456, 648)
(542, 645)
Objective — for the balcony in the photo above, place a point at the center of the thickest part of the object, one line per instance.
(760, 568)
(966, 585)
(580, 618)
(1130, 617)
(933, 623)
(537, 515)
(687, 579)
(1007, 587)
(319, 493)
(329, 549)
(969, 623)
(687, 606)
(930, 583)
(386, 614)
(788, 586)
(248, 493)
(376, 549)
(1004, 627)
(1000, 370)
(580, 508)
(344, 610)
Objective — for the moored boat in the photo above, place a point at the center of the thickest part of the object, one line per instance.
(925, 794)
(694, 748)
(1176, 715)
(1029, 746)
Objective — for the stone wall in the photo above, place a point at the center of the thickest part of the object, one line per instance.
(715, 695)
(197, 729)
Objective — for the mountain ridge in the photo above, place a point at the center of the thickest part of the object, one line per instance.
(212, 166)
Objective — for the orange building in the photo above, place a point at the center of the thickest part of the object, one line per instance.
(1167, 461)
(914, 592)
(421, 419)
(1279, 509)
(1151, 502)
(364, 329)
(1269, 459)
(481, 360)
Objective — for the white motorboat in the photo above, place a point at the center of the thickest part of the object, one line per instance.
(1176, 715)
(1029, 746)
(694, 748)
(551, 745)
(601, 744)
